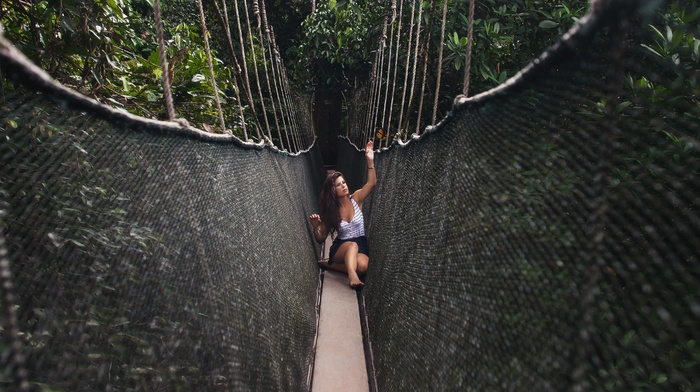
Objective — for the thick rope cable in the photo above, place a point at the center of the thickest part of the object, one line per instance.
(249, 90)
(255, 66)
(284, 103)
(167, 93)
(288, 97)
(223, 16)
(439, 71)
(371, 121)
(415, 68)
(426, 50)
(378, 67)
(352, 112)
(205, 35)
(295, 129)
(366, 121)
(407, 70)
(396, 68)
(285, 106)
(376, 95)
(274, 56)
(256, 12)
(370, 118)
(468, 61)
(385, 123)
(382, 48)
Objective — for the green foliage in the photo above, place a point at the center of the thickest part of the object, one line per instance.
(108, 49)
(339, 40)
(507, 36)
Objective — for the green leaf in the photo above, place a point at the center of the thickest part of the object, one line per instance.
(548, 24)
(115, 8)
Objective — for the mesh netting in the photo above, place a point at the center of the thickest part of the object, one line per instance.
(545, 236)
(143, 260)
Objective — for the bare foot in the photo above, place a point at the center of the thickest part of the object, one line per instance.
(355, 282)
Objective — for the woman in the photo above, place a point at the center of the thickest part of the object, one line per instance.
(341, 213)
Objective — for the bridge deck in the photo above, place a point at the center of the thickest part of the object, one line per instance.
(340, 356)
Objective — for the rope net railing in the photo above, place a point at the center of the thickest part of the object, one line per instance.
(142, 255)
(544, 236)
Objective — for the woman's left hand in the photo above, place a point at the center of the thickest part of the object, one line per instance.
(369, 151)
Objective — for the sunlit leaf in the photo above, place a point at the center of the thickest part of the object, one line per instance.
(548, 24)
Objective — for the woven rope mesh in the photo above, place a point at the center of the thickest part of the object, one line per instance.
(146, 261)
(544, 237)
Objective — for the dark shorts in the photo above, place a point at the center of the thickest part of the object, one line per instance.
(360, 241)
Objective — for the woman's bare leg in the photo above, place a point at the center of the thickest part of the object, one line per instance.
(348, 253)
(362, 263)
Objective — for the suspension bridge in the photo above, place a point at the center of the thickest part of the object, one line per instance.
(541, 236)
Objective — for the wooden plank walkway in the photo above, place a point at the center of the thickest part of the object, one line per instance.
(340, 364)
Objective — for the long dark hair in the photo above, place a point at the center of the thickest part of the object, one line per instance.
(330, 207)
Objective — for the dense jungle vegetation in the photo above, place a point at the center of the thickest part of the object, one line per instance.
(107, 49)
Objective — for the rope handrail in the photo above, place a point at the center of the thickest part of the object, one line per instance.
(19, 68)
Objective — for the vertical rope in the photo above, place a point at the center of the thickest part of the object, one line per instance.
(408, 70)
(256, 12)
(396, 67)
(288, 98)
(297, 128)
(415, 67)
(468, 62)
(169, 108)
(382, 48)
(274, 56)
(283, 100)
(426, 49)
(249, 91)
(439, 72)
(284, 90)
(385, 122)
(364, 131)
(205, 33)
(371, 121)
(236, 67)
(254, 56)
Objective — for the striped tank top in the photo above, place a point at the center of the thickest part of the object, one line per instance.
(354, 228)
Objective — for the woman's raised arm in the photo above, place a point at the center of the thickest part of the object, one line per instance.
(361, 194)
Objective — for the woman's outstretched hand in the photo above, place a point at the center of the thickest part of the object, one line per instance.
(315, 220)
(369, 151)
